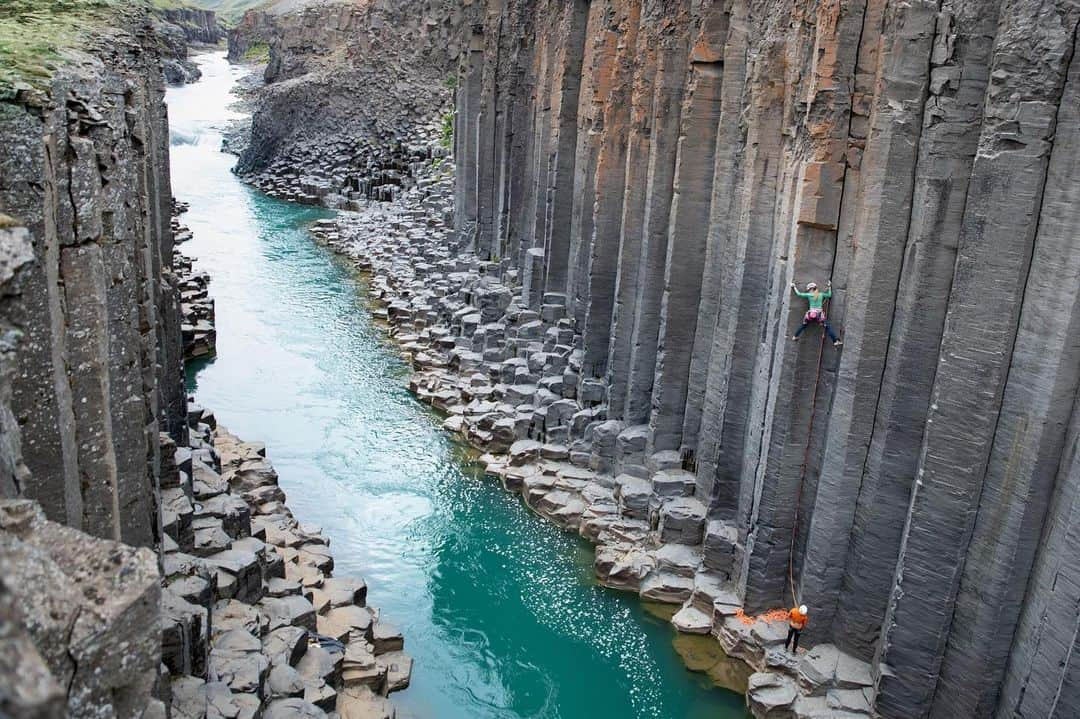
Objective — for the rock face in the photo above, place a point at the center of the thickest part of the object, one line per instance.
(75, 612)
(84, 169)
(308, 125)
(657, 172)
(178, 29)
(90, 372)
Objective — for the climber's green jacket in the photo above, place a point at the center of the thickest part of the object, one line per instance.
(815, 298)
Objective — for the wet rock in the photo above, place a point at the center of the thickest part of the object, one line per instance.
(361, 703)
(667, 587)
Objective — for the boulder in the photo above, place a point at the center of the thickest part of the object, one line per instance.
(682, 521)
(771, 696)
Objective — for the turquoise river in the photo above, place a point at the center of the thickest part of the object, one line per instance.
(499, 609)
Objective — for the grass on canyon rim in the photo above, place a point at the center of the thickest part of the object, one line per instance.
(257, 52)
(34, 33)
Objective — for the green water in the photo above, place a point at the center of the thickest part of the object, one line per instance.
(500, 609)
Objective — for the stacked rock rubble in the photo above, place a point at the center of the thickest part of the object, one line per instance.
(254, 622)
(198, 331)
(345, 173)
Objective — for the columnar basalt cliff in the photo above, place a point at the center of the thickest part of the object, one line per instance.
(85, 169)
(659, 171)
(149, 566)
(92, 339)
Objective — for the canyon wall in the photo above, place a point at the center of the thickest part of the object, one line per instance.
(665, 169)
(91, 373)
(85, 171)
(346, 77)
(199, 26)
(177, 29)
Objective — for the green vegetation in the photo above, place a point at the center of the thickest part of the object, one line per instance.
(447, 129)
(35, 33)
(451, 82)
(228, 10)
(258, 52)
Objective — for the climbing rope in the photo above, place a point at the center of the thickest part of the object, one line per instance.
(772, 615)
(805, 461)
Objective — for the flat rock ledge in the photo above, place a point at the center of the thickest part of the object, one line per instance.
(255, 623)
(503, 362)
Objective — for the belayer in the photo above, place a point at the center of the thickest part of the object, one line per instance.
(796, 623)
(816, 313)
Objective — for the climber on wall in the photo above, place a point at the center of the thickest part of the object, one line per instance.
(796, 622)
(816, 313)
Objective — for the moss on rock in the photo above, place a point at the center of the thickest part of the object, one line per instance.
(35, 35)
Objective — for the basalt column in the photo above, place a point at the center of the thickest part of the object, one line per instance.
(710, 47)
(561, 163)
(685, 260)
(792, 381)
(887, 174)
(514, 184)
(467, 134)
(601, 42)
(531, 253)
(41, 398)
(1030, 62)
(743, 221)
(1045, 659)
(490, 140)
(643, 319)
(959, 71)
(610, 181)
(651, 85)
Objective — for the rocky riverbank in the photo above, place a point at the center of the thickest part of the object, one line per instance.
(255, 623)
(346, 173)
(507, 377)
(198, 329)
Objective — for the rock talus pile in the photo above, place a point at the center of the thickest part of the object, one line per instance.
(254, 622)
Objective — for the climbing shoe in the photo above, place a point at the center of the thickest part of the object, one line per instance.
(794, 338)
(837, 343)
